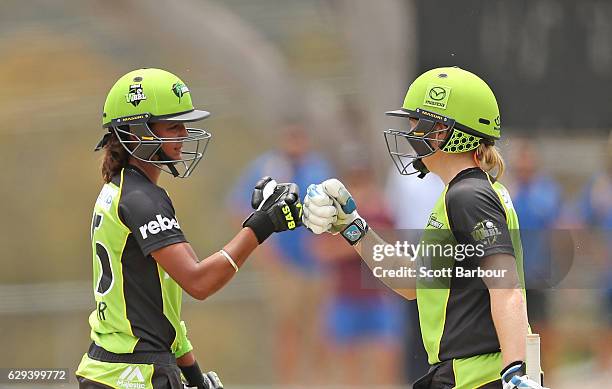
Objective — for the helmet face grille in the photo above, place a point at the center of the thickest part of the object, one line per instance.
(460, 142)
(405, 147)
(147, 148)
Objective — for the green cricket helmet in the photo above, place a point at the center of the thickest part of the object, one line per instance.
(145, 96)
(454, 97)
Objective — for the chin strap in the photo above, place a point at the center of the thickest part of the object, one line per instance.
(103, 141)
(419, 166)
(164, 157)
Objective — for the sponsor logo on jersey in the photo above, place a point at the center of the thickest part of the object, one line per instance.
(135, 95)
(131, 378)
(106, 197)
(434, 222)
(506, 197)
(154, 227)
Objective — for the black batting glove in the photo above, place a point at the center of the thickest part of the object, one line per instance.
(196, 380)
(277, 208)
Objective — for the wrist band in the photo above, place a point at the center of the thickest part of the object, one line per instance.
(355, 231)
(193, 375)
(229, 259)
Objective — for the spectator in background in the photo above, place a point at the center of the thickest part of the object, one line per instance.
(295, 285)
(412, 210)
(537, 201)
(595, 211)
(363, 318)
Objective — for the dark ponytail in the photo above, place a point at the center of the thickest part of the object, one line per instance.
(115, 158)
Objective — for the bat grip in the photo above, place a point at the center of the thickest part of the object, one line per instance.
(532, 357)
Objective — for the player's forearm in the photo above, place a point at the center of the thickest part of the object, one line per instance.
(216, 271)
(405, 286)
(509, 313)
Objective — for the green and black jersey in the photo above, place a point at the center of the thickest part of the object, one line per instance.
(138, 304)
(455, 311)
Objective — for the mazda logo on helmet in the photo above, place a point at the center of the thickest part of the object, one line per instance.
(437, 93)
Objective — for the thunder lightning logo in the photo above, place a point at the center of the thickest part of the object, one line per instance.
(179, 90)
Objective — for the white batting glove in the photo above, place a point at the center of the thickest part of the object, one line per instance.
(514, 377)
(329, 207)
(319, 211)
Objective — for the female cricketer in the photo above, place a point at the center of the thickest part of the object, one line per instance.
(471, 299)
(141, 258)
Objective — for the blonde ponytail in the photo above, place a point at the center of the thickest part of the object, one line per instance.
(489, 159)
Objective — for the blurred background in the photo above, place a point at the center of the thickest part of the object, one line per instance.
(288, 81)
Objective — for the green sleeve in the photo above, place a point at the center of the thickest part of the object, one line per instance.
(184, 345)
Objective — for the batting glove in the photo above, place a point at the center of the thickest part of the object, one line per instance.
(196, 380)
(514, 377)
(329, 207)
(277, 208)
(210, 381)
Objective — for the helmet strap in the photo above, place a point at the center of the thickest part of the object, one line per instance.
(103, 141)
(420, 167)
(164, 157)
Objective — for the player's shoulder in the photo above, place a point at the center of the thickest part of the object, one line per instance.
(471, 188)
(137, 189)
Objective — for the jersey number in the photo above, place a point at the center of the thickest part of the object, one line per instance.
(106, 278)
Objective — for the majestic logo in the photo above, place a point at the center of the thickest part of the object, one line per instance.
(486, 231)
(131, 378)
(135, 95)
(437, 96)
(156, 226)
(179, 90)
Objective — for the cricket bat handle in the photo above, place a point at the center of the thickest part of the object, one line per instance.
(532, 360)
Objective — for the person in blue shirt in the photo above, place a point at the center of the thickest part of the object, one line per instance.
(537, 201)
(595, 211)
(293, 269)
